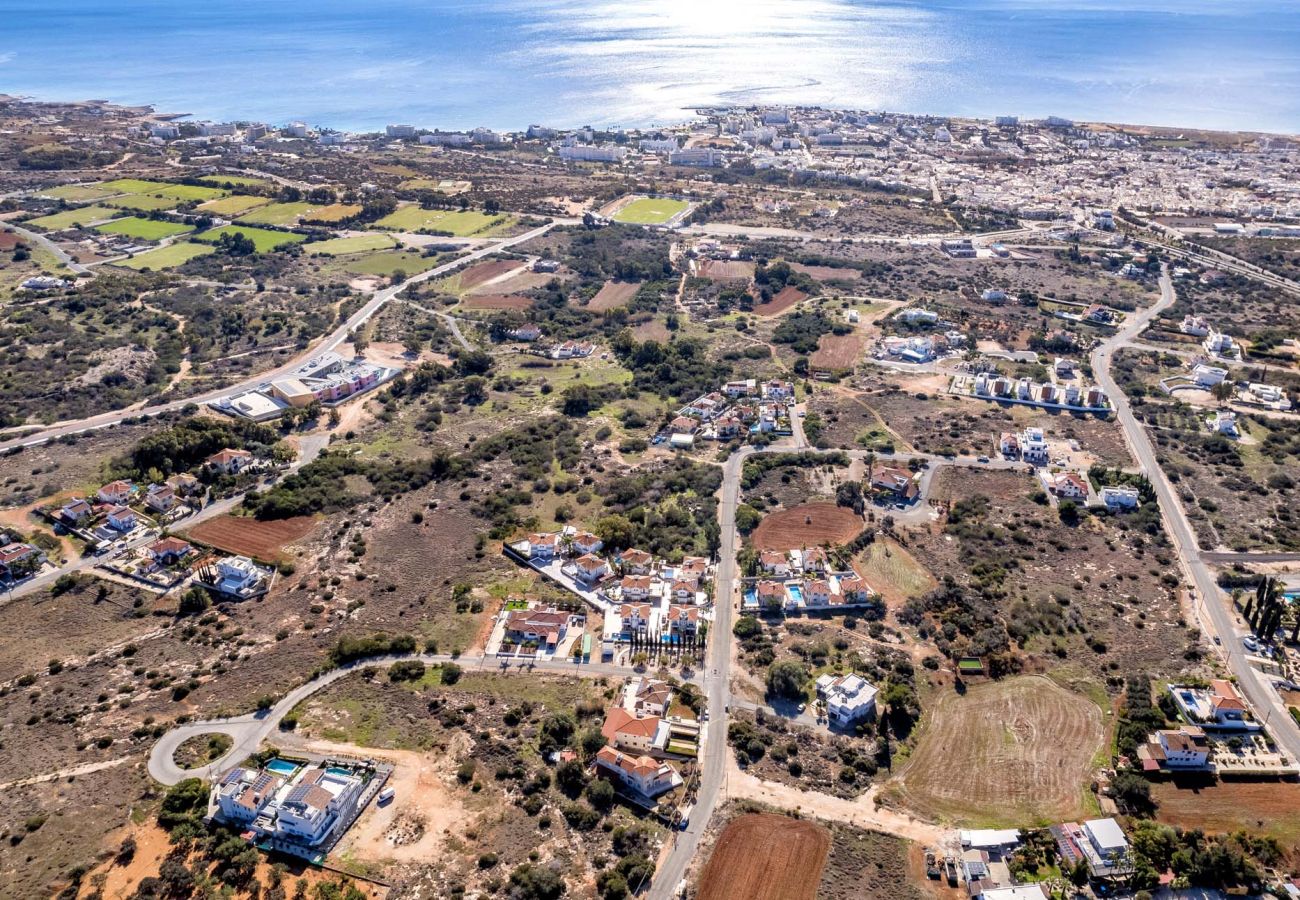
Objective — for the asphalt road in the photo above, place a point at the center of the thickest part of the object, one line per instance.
(1218, 615)
(331, 342)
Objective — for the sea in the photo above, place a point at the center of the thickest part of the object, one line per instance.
(362, 64)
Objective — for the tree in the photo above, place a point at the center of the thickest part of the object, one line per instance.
(474, 389)
(600, 793)
(746, 627)
(194, 601)
(616, 531)
(570, 776)
(579, 399)
(788, 678)
(531, 882)
(450, 673)
(1069, 512)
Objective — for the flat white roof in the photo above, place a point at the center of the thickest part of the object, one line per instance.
(1106, 833)
(990, 837)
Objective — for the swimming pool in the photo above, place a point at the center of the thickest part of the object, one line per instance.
(281, 767)
(796, 592)
(336, 770)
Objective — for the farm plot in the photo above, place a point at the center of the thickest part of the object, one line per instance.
(141, 202)
(837, 352)
(1267, 808)
(277, 214)
(163, 189)
(70, 218)
(613, 294)
(1011, 753)
(389, 262)
(891, 569)
(335, 212)
(727, 270)
(787, 297)
(460, 224)
(76, 193)
(761, 856)
(250, 537)
(166, 257)
(481, 273)
(807, 525)
(358, 243)
(264, 240)
(497, 301)
(650, 211)
(145, 229)
(233, 205)
(828, 273)
(244, 181)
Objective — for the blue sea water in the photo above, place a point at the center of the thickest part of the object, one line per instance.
(508, 63)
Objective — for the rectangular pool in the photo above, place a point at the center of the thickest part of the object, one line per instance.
(796, 591)
(335, 770)
(281, 767)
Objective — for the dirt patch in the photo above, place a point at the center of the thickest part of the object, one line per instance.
(727, 270)
(889, 568)
(497, 301)
(1017, 752)
(786, 298)
(807, 525)
(1265, 808)
(867, 865)
(484, 272)
(761, 856)
(613, 294)
(249, 537)
(828, 273)
(838, 351)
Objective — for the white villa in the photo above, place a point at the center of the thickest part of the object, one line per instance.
(849, 698)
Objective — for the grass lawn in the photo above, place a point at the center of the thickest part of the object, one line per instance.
(142, 202)
(263, 239)
(82, 215)
(460, 224)
(335, 212)
(357, 244)
(79, 192)
(390, 261)
(236, 180)
(166, 257)
(277, 214)
(163, 189)
(233, 205)
(144, 229)
(650, 211)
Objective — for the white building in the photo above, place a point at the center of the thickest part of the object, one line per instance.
(1224, 422)
(1208, 376)
(1033, 446)
(317, 802)
(702, 157)
(611, 153)
(1119, 497)
(239, 575)
(400, 131)
(1107, 840)
(849, 698)
(1195, 326)
(1219, 343)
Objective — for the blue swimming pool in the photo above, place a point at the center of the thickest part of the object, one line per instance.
(796, 591)
(751, 597)
(336, 770)
(282, 767)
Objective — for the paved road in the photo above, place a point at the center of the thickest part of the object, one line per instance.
(49, 245)
(1222, 558)
(331, 342)
(1218, 618)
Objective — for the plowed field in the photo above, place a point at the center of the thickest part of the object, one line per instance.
(807, 525)
(766, 857)
(249, 537)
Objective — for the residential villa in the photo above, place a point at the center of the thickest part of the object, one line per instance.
(160, 498)
(301, 813)
(75, 511)
(18, 560)
(628, 732)
(635, 588)
(230, 462)
(1119, 497)
(1068, 485)
(642, 775)
(589, 569)
(774, 562)
(1194, 325)
(122, 518)
(239, 576)
(541, 546)
(115, 492)
(586, 542)
(1220, 707)
(645, 696)
(542, 627)
(897, 484)
(635, 562)
(636, 618)
(849, 699)
(1181, 748)
(245, 793)
(1033, 446)
(1219, 344)
(169, 550)
(683, 621)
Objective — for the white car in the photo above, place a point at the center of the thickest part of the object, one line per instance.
(1250, 643)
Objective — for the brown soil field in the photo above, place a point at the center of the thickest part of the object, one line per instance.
(613, 294)
(522, 280)
(249, 537)
(766, 857)
(497, 301)
(1269, 808)
(787, 298)
(485, 271)
(838, 351)
(789, 528)
(827, 273)
(727, 270)
(1011, 753)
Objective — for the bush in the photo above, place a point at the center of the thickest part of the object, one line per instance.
(406, 670)
(451, 673)
(601, 794)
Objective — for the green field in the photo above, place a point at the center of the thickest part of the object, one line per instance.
(166, 257)
(277, 214)
(163, 189)
(142, 202)
(79, 192)
(650, 211)
(67, 218)
(391, 261)
(236, 180)
(357, 244)
(461, 224)
(263, 239)
(144, 229)
(335, 212)
(233, 205)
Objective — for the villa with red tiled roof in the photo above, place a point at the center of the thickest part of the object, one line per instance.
(628, 732)
(642, 774)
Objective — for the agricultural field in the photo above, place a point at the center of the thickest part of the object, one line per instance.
(163, 189)
(389, 262)
(249, 537)
(244, 181)
(263, 239)
(867, 865)
(807, 525)
(650, 211)
(838, 352)
(78, 193)
(141, 202)
(461, 224)
(497, 301)
(277, 214)
(891, 569)
(334, 212)
(1017, 752)
(233, 205)
(144, 229)
(761, 856)
(613, 294)
(166, 257)
(358, 243)
(82, 216)
(784, 299)
(1262, 808)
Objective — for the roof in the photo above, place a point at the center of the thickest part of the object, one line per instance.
(641, 766)
(590, 563)
(169, 545)
(224, 457)
(1106, 833)
(619, 721)
(636, 582)
(13, 552)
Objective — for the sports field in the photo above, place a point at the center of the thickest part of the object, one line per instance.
(650, 211)
(78, 192)
(390, 261)
(233, 205)
(144, 229)
(1009, 753)
(166, 257)
(360, 243)
(163, 189)
(461, 224)
(277, 214)
(82, 215)
(263, 239)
